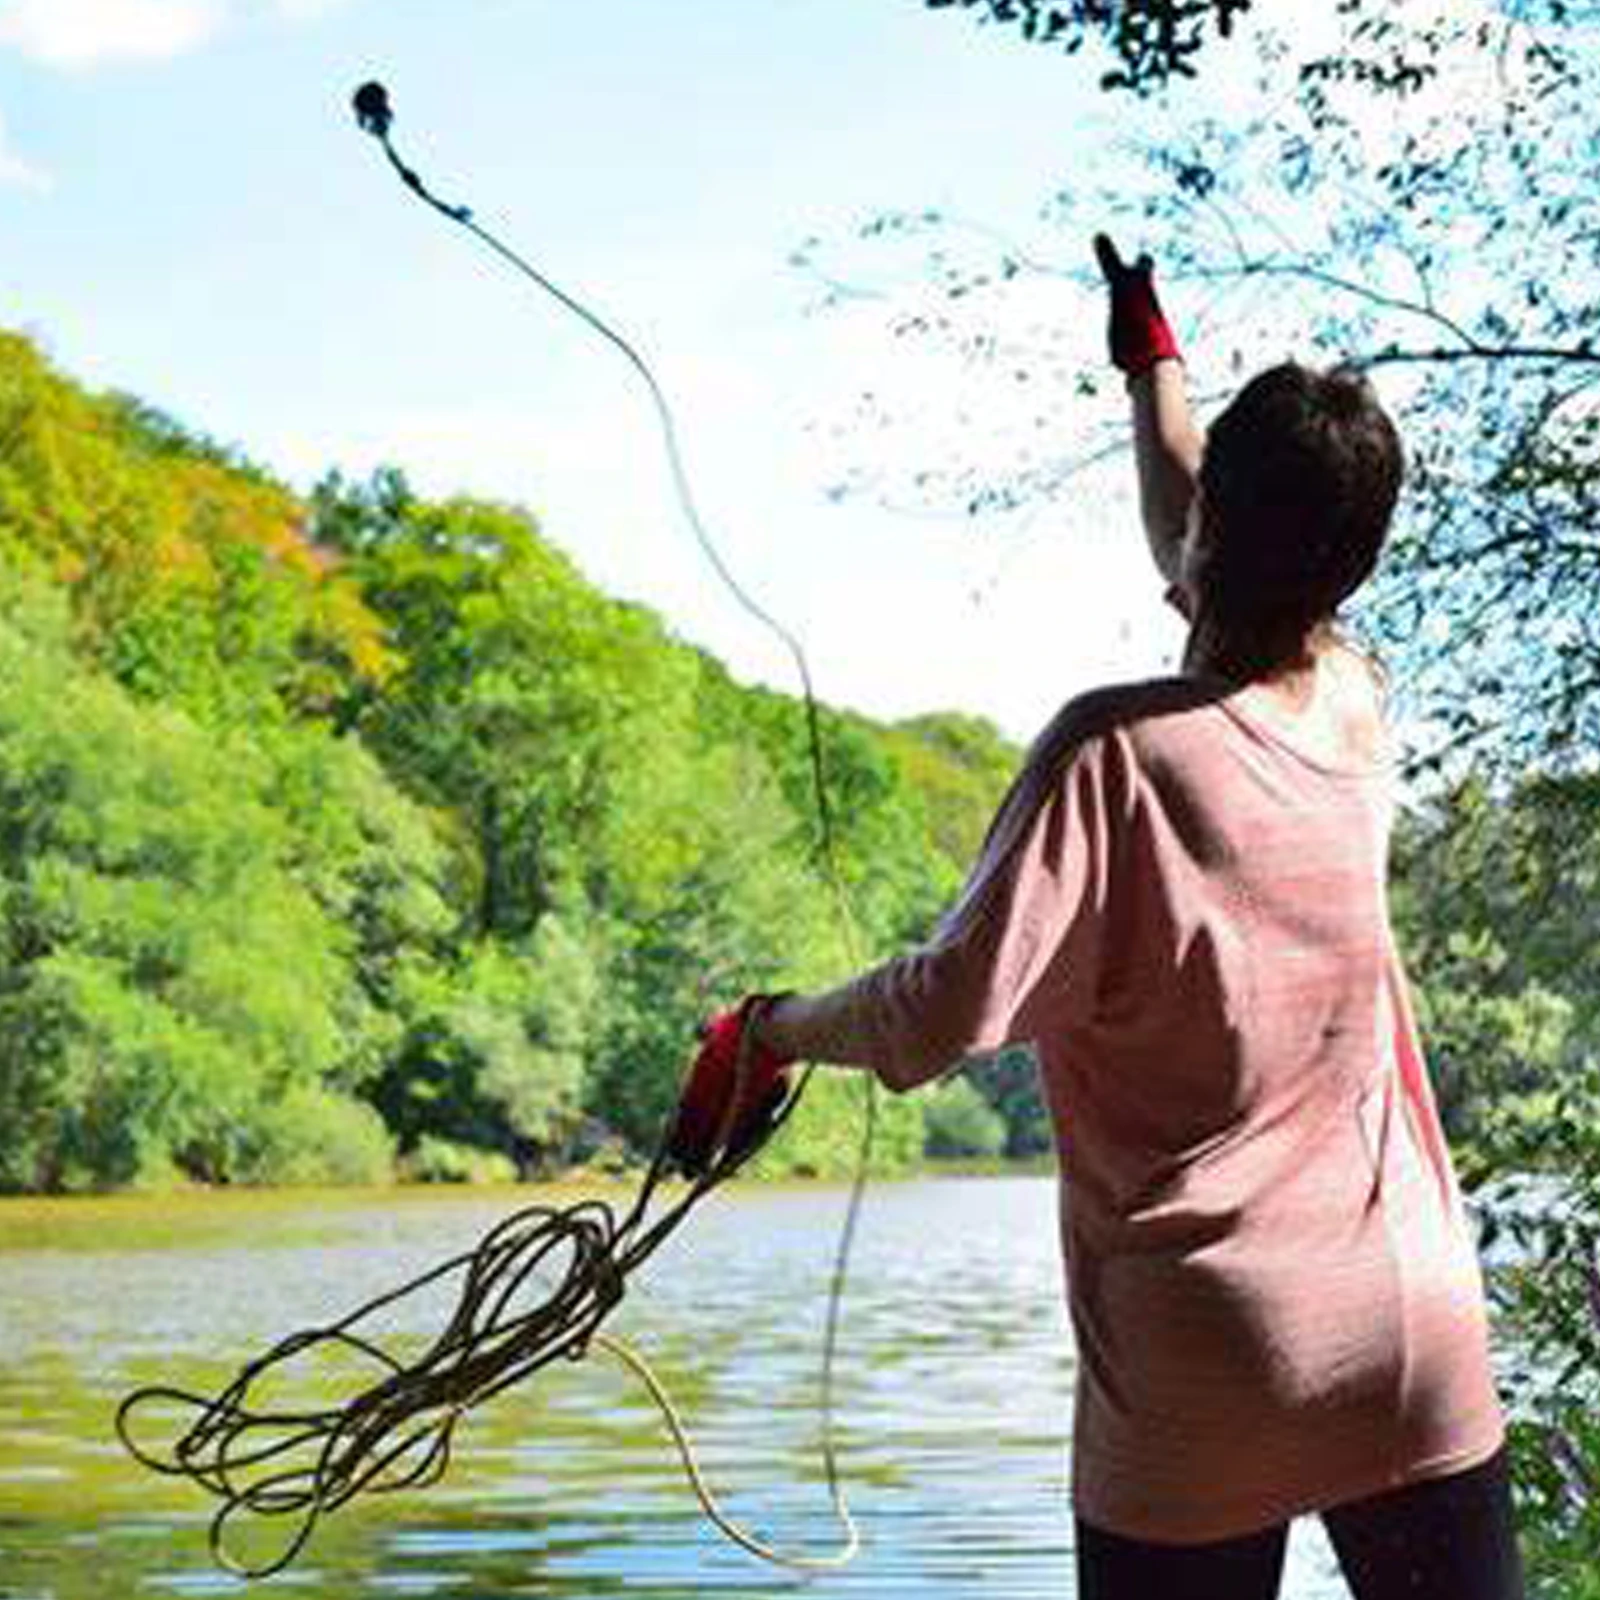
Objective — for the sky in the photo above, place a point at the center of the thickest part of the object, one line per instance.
(188, 212)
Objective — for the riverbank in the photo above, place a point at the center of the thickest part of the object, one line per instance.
(615, 1177)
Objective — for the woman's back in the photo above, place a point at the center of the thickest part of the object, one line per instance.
(1273, 1285)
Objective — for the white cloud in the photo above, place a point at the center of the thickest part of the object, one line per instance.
(77, 34)
(87, 33)
(16, 171)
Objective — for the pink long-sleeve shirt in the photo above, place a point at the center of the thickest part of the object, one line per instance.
(1275, 1296)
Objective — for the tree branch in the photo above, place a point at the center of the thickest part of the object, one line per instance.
(1330, 280)
(1581, 353)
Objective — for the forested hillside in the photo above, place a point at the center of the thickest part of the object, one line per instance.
(363, 834)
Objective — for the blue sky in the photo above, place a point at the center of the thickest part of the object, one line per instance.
(189, 213)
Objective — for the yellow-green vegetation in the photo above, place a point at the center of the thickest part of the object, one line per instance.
(359, 835)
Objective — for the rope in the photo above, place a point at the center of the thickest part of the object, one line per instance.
(708, 1503)
(398, 1432)
(276, 1462)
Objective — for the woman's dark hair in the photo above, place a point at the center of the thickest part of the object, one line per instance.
(1298, 483)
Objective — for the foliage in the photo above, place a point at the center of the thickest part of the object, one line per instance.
(311, 1135)
(380, 867)
(1421, 273)
(961, 1122)
(1370, 199)
(957, 765)
(191, 579)
(601, 767)
(367, 836)
(1492, 909)
(436, 1160)
(1549, 1300)
(166, 977)
(556, 722)
(494, 1049)
(877, 841)
(1484, 910)
(1154, 40)
(749, 916)
(1009, 1082)
(824, 1137)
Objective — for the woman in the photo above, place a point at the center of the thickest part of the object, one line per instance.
(1181, 906)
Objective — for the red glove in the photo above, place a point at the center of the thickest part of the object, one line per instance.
(735, 1090)
(1140, 333)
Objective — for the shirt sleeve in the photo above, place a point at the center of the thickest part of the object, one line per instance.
(1021, 945)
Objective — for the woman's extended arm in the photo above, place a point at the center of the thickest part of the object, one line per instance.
(815, 1027)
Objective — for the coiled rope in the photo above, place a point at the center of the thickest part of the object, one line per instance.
(300, 1464)
(534, 1289)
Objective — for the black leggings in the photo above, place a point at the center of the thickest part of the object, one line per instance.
(1447, 1538)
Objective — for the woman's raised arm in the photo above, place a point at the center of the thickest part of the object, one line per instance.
(1167, 447)
(1167, 444)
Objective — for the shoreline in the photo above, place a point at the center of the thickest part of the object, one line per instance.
(84, 1208)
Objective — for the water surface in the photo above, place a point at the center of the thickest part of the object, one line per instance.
(954, 1394)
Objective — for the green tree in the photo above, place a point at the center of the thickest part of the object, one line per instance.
(190, 575)
(1152, 40)
(880, 840)
(959, 1121)
(959, 766)
(752, 914)
(1371, 200)
(1492, 906)
(166, 978)
(1500, 950)
(1009, 1084)
(495, 1048)
(376, 808)
(541, 713)
(594, 762)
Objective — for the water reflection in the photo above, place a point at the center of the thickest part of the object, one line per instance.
(954, 1396)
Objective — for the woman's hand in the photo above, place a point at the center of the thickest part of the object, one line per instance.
(1140, 334)
(734, 1091)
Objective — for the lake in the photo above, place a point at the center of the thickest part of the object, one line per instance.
(954, 1393)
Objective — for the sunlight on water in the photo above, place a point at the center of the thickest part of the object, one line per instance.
(954, 1395)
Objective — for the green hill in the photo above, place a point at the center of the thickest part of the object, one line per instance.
(360, 833)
